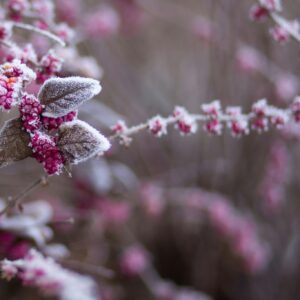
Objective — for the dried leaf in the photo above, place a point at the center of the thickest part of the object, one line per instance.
(63, 95)
(78, 141)
(13, 143)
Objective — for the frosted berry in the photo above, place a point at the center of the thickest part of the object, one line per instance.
(54, 123)
(157, 126)
(186, 123)
(9, 91)
(50, 64)
(30, 110)
(46, 152)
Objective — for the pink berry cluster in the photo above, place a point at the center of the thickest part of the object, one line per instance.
(31, 113)
(186, 123)
(44, 146)
(17, 8)
(54, 123)
(237, 125)
(11, 245)
(12, 77)
(261, 10)
(46, 152)
(261, 117)
(119, 128)
(213, 112)
(157, 126)
(9, 91)
(49, 65)
(240, 232)
(30, 109)
(53, 280)
(234, 226)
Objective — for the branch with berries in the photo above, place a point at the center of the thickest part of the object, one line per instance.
(283, 29)
(47, 129)
(214, 119)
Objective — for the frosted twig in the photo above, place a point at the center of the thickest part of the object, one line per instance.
(45, 33)
(16, 200)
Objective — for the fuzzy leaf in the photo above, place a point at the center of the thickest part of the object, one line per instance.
(78, 141)
(63, 95)
(13, 143)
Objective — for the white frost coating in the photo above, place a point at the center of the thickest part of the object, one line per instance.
(63, 95)
(32, 223)
(27, 73)
(51, 278)
(98, 143)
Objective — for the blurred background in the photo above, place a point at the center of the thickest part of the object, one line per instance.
(178, 218)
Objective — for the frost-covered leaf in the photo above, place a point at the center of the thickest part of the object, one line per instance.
(78, 141)
(13, 143)
(63, 95)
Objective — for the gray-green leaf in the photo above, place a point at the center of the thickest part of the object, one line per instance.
(63, 95)
(13, 143)
(79, 141)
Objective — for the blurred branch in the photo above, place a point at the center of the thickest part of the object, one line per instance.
(45, 33)
(16, 201)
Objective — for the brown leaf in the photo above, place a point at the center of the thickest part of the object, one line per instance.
(78, 141)
(63, 95)
(13, 143)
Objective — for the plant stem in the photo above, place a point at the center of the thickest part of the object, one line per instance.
(16, 200)
(45, 33)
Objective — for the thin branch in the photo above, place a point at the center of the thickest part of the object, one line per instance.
(141, 127)
(92, 269)
(273, 115)
(7, 44)
(283, 23)
(16, 200)
(45, 33)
